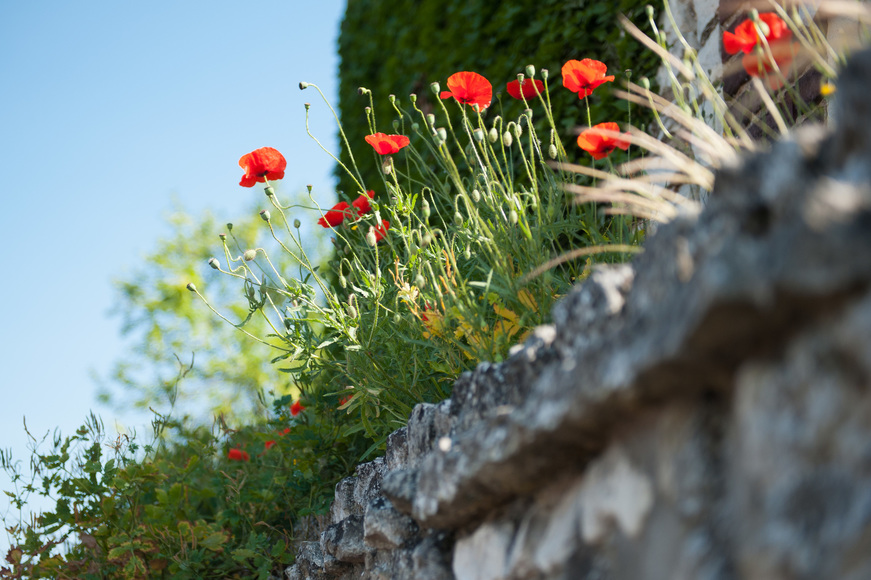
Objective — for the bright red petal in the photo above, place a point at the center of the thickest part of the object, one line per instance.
(470, 88)
(362, 203)
(527, 90)
(335, 216)
(262, 164)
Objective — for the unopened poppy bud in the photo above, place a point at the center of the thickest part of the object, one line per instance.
(297, 223)
(443, 134)
(415, 126)
(223, 237)
(649, 10)
(346, 250)
(190, 286)
(413, 98)
(518, 130)
(552, 151)
(303, 86)
(213, 262)
(229, 227)
(467, 253)
(430, 119)
(476, 195)
(435, 88)
(426, 240)
(269, 191)
(507, 139)
(544, 73)
(424, 207)
(249, 255)
(530, 71)
(528, 114)
(493, 136)
(363, 91)
(264, 215)
(352, 311)
(387, 166)
(478, 134)
(512, 217)
(343, 282)
(419, 281)
(645, 82)
(458, 219)
(371, 239)
(395, 125)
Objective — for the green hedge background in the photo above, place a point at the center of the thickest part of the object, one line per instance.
(401, 46)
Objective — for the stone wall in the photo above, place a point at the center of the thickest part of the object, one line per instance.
(703, 412)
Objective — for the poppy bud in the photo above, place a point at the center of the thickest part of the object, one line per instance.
(552, 151)
(387, 166)
(249, 255)
(649, 10)
(458, 219)
(476, 195)
(223, 237)
(264, 215)
(443, 134)
(512, 217)
(229, 227)
(528, 114)
(371, 239)
(269, 191)
(343, 282)
(395, 124)
(424, 207)
(419, 281)
(363, 91)
(494, 135)
(435, 88)
(303, 86)
(413, 98)
(430, 119)
(397, 318)
(544, 73)
(507, 139)
(213, 262)
(518, 130)
(467, 253)
(427, 240)
(415, 126)
(478, 134)
(645, 82)
(297, 223)
(352, 311)
(347, 250)
(530, 71)
(190, 286)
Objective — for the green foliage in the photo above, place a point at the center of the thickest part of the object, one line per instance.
(401, 47)
(177, 509)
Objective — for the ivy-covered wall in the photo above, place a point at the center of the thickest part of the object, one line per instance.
(401, 46)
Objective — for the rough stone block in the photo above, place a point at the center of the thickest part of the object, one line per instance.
(368, 483)
(344, 504)
(344, 540)
(384, 527)
(426, 425)
(396, 455)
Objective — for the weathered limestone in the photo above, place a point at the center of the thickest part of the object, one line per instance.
(704, 412)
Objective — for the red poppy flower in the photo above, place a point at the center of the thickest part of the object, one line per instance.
(296, 408)
(600, 145)
(362, 203)
(269, 444)
(336, 215)
(238, 455)
(284, 432)
(345, 399)
(469, 88)
(380, 231)
(262, 164)
(745, 36)
(583, 76)
(387, 144)
(529, 88)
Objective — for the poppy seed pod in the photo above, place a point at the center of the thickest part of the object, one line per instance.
(415, 126)
(520, 77)
(213, 262)
(442, 133)
(303, 86)
(412, 97)
(395, 125)
(419, 281)
(391, 98)
(430, 119)
(223, 237)
(307, 106)
(507, 139)
(264, 215)
(249, 255)
(229, 227)
(363, 91)
(297, 223)
(530, 71)
(435, 88)
(190, 286)
(269, 191)
(544, 73)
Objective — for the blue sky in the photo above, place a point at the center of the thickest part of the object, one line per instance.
(110, 111)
